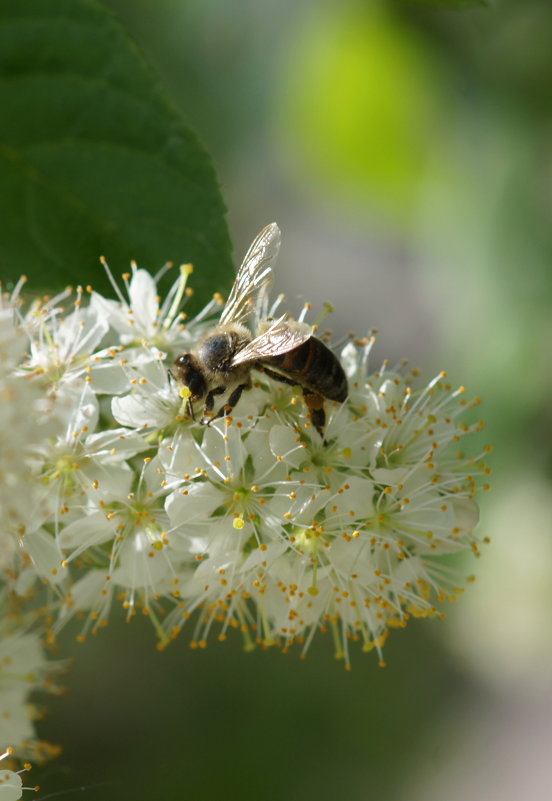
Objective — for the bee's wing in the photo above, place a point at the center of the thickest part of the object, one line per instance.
(282, 336)
(253, 277)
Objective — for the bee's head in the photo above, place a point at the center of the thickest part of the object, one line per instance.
(189, 375)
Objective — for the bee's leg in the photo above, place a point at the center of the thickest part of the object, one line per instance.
(208, 416)
(232, 400)
(315, 405)
(314, 401)
(277, 376)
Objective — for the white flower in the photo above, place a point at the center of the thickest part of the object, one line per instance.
(144, 319)
(23, 423)
(11, 786)
(125, 537)
(154, 402)
(233, 477)
(254, 522)
(350, 530)
(24, 670)
(11, 783)
(60, 346)
(80, 467)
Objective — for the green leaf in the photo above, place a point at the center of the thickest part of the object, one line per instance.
(93, 158)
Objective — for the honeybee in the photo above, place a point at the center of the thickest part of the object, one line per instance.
(283, 349)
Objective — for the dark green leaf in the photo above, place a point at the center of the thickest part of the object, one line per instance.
(93, 158)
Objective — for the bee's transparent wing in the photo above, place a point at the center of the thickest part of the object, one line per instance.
(282, 336)
(253, 277)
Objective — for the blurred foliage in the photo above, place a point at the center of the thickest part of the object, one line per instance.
(501, 52)
(219, 723)
(365, 105)
(452, 3)
(491, 225)
(94, 159)
(437, 122)
(216, 60)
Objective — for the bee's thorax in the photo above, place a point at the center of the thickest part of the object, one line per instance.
(217, 349)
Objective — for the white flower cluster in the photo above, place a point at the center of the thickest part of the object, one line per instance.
(254, 522)
(24, 670)
(22, 421)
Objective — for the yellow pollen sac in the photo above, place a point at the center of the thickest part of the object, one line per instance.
(238, 523)
(185, 393)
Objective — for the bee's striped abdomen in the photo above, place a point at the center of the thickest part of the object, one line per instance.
(313, 365)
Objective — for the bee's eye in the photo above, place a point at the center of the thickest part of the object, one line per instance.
(183, 360)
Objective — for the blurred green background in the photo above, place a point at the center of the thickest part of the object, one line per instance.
(405, 149)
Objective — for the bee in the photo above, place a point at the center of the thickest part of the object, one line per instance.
(284, 349)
